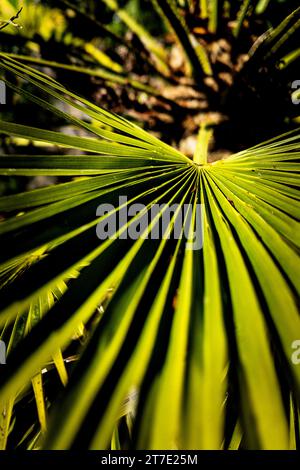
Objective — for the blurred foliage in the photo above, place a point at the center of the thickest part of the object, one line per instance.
(133, 56)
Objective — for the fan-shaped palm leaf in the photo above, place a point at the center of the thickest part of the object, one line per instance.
(202, 337)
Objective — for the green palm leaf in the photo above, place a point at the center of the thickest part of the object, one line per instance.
(197, 336)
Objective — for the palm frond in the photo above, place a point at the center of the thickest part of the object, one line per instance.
(189, 332)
